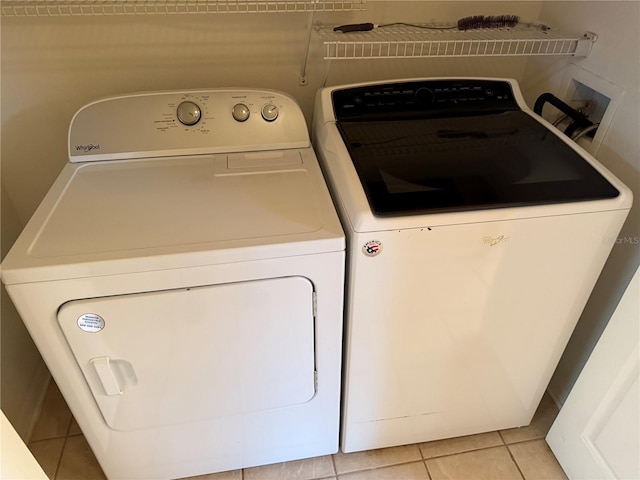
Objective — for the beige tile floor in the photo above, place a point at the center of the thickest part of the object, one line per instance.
(520, 453)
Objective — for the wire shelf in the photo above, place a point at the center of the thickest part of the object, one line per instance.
(414, 42)
(54, 8)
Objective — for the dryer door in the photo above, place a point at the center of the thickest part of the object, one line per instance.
(180, 356)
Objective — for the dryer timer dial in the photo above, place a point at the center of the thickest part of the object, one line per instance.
(189, 113)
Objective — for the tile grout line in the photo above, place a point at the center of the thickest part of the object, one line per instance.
(526, 440)
(426, 467)
(333, 463)
(64, 445)
(504, 442)
(516, 463)
(424, 461)
(380, 467)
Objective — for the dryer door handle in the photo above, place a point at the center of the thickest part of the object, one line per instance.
(102, 366)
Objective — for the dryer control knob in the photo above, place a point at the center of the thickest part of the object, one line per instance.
(269, 112)
(240, 112)
(189, 113)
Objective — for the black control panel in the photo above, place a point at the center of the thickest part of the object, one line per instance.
(423, 99)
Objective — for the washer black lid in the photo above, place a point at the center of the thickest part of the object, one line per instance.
(475, 160)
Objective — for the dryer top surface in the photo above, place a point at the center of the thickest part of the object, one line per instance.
(274, 202)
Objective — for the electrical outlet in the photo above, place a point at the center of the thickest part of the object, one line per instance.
(597, 98)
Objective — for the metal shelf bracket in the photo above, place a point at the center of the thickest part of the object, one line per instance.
(583, 49)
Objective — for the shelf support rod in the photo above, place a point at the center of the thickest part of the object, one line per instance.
(305, 57)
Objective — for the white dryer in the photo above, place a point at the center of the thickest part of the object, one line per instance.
(475, 233)
(183, 280)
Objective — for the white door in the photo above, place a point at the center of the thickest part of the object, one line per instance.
(179, 356)
(597, 432)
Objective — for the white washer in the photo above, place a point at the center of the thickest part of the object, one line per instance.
(475, 234)
(183, 280)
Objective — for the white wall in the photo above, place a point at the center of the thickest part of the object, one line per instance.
(615, 59)
(23, 374)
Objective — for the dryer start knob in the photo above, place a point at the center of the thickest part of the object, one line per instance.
(188, 113)
(269, 112)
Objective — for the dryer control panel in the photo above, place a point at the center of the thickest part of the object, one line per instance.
(173, 123)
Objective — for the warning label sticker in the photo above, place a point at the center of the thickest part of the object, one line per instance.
(90, 322)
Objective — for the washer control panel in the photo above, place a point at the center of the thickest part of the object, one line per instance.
(182, 123)
(424, 98)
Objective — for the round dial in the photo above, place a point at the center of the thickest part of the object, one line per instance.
(189, 113)
(269, 112)
(240, 112)
(425, 95)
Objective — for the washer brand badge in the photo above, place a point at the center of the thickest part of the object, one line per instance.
(90, 322)
(87, 148)
(372, 248)
(491, 241)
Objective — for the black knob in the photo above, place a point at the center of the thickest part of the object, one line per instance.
(425, 95)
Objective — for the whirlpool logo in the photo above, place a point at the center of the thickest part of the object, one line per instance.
(87, 148)
(493, 241)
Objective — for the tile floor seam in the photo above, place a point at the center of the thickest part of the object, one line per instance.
(69, 426)
(64, 445)
(379, 467)
(424, 461)
(420, 450)
(461, 452)
(527, 440)
(522, 477)
(46, 439)
(513, 459)
(333, 463)
(426, 467)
